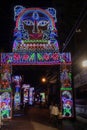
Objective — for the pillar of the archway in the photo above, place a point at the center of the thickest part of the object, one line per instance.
(66, 90)
(16, 80)
(6, 92)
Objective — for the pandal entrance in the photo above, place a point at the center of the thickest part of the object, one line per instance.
(35, 43)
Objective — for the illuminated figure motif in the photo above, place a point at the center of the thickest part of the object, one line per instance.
(65, 77)
(5, 85)
(6, 77)
(67, 103)
(17, 101)
(17, 79)
(43, 97)
(6, 105)
(35, 29)
(26, 96)
(17, 97)
(31, 95)
(5, 110)
(25, 93)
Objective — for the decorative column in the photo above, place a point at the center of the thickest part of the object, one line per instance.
(6, 92)
(66, 91)
(25, 88)
(17, 91)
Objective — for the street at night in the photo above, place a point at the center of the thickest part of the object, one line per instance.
(38, 119)
(43, 65)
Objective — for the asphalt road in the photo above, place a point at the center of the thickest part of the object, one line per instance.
(38, 119)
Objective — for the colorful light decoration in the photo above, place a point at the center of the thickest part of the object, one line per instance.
(67, 103)
(65, 76)
(35, 42)
(25, 88)
(35, 29)
(6, 105)
(5, 92)
(43, 97)
(66, 90)
(6, 77)
(17, 97)
(35, 58)
(31, 95)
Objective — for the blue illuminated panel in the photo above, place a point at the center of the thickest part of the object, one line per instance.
(35, 29)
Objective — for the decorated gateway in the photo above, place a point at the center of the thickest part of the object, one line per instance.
(35, 43)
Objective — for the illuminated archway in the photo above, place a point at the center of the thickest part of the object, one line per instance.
(35, 43)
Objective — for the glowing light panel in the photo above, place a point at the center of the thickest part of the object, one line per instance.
(35, 29)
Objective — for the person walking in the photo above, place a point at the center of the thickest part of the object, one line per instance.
(55, 113)
(50, 113)
(60, 118)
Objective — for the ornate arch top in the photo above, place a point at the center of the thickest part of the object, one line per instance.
(35, 30)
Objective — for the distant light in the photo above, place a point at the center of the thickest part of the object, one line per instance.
(84, 63)
(43, 79)
(78, 30)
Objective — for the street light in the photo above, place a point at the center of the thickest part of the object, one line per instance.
(84, 63)
(43, 80)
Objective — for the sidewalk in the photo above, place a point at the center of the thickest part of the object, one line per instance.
(74, 125)
(81, 119)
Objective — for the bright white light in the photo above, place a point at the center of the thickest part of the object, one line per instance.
(84, 63)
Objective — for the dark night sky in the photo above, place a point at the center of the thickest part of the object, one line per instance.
(67, 14)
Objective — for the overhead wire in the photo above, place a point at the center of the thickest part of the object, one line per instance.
(73, 30)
